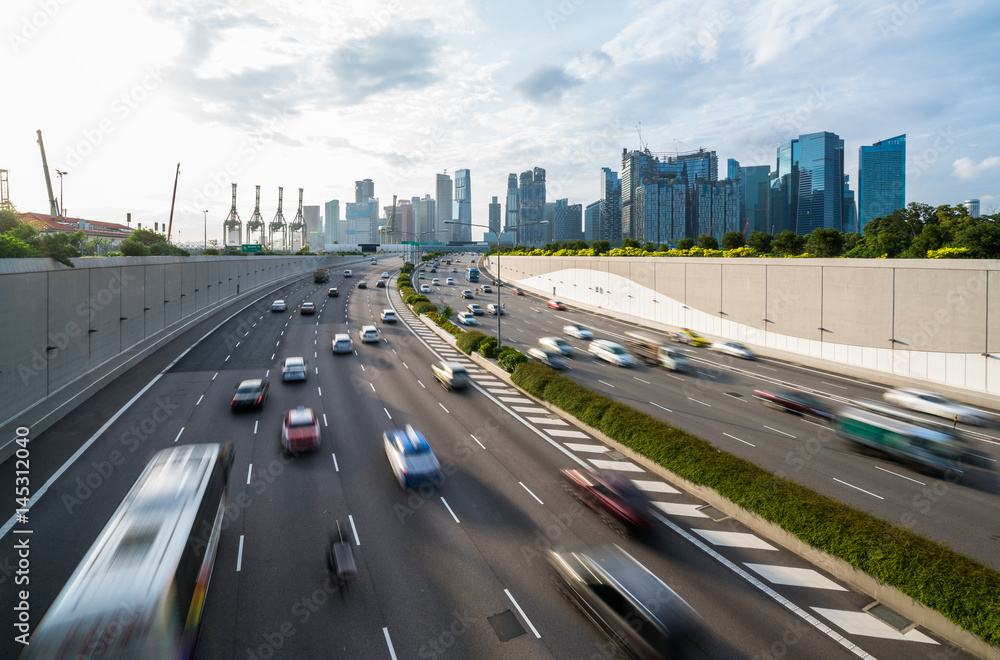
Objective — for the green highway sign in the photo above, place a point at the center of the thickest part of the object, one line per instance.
(252, 247)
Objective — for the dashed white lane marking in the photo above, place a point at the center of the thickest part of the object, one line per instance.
(565, 433)
(498, 390)
(593, 449)
(513, 399)
(794, 577)
(862, 623)
(655, 487)
(622, 466)
(734, 539)
(529, 409)
(546, 420)
(677, 509)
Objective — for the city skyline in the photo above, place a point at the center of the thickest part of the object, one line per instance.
(297, 97)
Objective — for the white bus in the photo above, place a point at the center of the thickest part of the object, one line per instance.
(140, 590)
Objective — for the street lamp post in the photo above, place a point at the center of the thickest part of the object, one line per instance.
(206, 232)
(62, 209)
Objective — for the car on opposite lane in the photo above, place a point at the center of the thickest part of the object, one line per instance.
(494, 309)
(474, 308)
(466, 293)
(487, 288)
(517, 292)
(691, 338)
(609, 351)
(550, 358)
(467, 318)
(299, 430)
(556, 345)
(411, 458)
(342, 343)
(578, 331)
(936, 405)
(733, 349)
(558, 305)
(279, 306)
(251, 393)
(799, 403)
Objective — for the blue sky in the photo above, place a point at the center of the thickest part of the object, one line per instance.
(314, 95)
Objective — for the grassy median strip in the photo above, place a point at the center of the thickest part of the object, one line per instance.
(958, 587)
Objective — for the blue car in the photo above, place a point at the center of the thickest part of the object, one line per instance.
(411, 458)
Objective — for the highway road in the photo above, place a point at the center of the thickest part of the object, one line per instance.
(455, 571)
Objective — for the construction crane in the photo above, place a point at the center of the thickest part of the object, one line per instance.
(173, 199)
(54, 211)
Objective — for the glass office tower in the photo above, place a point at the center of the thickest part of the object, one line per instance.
(881, 179)
(821, 182)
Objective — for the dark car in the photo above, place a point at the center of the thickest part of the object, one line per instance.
(379, 284)
(250, 394)
(362, 284)
(307, 308)
(799, 403)
(333, 293)
(618, 501)
(630, 605)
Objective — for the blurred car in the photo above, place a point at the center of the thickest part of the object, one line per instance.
(307, 308)
(299, 430)
(450, 374)
(368, 334)
(436, 282)
(618, 501)
(279, 306)
(735, 349)
(466, 293)
(333, 293)
(348, 273)
(467, 318)
(384, 273)
(609, 351)
(434, 270)
(633, 607)
(937, 405)
(517, 292)
(411, 457)
(420, 276)
(475, 309)
(557, 304)
(250, 394)
(454, 269)
(799, 403)
(362, 284)
(425, 288)
(379, 284)
(691, 338)
(578, 331)
(487, 289)
(494, 309)
(450, 280)
(550, 358)
(293, 368)
(388, 316)
(556, 345)
(342, 343)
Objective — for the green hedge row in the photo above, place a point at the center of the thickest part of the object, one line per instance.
(960, 588)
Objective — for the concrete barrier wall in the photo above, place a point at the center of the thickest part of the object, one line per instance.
(61, 323)
(934, 321)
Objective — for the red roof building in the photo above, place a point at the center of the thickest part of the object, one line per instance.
(45, 224)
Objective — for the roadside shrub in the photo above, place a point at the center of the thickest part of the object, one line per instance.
(415, 298)
(470, 341)
(424, 307)
(509, 358)
(489, 348)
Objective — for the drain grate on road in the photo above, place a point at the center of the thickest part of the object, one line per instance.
(713, 513)
(890, 617)
(506, 626)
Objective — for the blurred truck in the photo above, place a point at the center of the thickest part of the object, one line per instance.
(930, 449)
(653, 352)
(321, 275)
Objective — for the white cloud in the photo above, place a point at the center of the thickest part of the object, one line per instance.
(965, 168)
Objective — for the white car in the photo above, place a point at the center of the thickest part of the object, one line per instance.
(466, 318)
(293, 368)
(732, 348)
(388, 316)
(556, 345)
(551, 358)
(385, 273)
(369, 334)
(348, 273)
(342, 343)
(937, 405)
(425, 288)
(609, 351)
(578, 331)
(450, 280)
(279, 306)
(436, 282)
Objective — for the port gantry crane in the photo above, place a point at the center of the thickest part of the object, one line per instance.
(232, 227)
(279, 226)
(298, 226)
(256, 223)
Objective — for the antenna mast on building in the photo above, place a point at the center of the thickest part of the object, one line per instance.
(298, 226)
(232, 228)
(278, 225)
(256, 223)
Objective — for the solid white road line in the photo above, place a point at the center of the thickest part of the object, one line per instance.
(392, 652)
(450, 511)
(530, 493)
(239, 556)
(357, 541)
(856, 488)
(523, 616)
(249, 472)
(179, 434)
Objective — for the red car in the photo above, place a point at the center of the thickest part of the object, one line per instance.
(798, 403)
(299, 430)
(556, 304)
(517, 292)
(618, 501)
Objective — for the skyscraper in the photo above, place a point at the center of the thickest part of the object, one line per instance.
(850, 211)
(463, 207)
(531, 207)
(567, 221)
(610, 226)
(510, 221)
(755, 198)
(881, 179)
(592, 222)
(443, 191)
(642, 167)
(313, 228)
(821, 182)
(494, 216)
(363, 190)
(784, 189)
(331, 221)
(972, 206)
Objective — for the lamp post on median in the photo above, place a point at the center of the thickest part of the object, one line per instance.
(206, 233)
(499, 278)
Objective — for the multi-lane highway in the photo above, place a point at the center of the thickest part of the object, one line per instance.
(452, 572)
